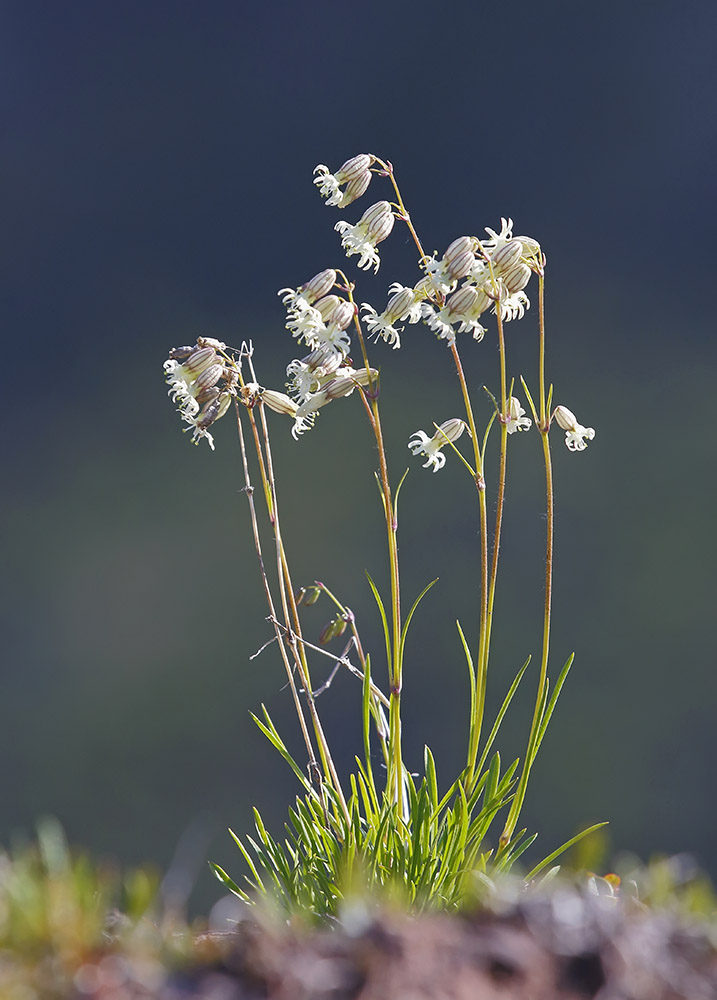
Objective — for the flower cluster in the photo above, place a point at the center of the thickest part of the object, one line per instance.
(202, 381)
(320, 319)
(474, 276)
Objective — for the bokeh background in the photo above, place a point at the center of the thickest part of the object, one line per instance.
(157, 161)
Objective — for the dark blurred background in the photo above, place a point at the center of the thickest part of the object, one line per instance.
(157, 162)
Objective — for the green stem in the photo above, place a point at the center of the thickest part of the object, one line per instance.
(531, 750)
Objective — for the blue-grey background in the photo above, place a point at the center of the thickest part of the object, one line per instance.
(156, 163)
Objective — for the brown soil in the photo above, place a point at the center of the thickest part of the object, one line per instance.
(566, 946)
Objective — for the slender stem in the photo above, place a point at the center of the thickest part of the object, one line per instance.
(517, 803)
(500, 500)
(249, 490)
(395, 774)
(476, 722)
(289, 604)
(541, 361)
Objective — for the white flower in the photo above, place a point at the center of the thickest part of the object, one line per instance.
(463, 309)
(355, 173)
(405, 302)
(513, 306)
(380, 326)
(517, 421)
(372, 228)
(208, 415)
(576, 436)
(328, 184)
(438, 280)
(421, 444)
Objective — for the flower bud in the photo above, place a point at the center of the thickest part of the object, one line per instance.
(336, 627)
(311, 596)
(279, 402)
(506, 255)
(355, 188)
(377, 222)
(516, 277)
(320, 285)
(353, 168)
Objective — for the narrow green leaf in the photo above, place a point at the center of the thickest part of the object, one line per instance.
(429, 766)
(473, 691)
(247, 858)
(395, 495)
(552, 703)
(229, 882)
(382, 611)
(501, 714)
(269, 730)
(407, 622)
(564, 847)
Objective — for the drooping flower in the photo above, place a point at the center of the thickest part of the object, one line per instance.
(355, 174)
(517, 421)
(201, 383)
(462, 309)
(404, 304)
(372, 228)
(576, 436)
(208, 415)
(421, 444)
(342, 383)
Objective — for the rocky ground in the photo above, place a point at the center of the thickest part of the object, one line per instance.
(566, 945)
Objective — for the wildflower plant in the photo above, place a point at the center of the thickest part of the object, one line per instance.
(386, 827)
